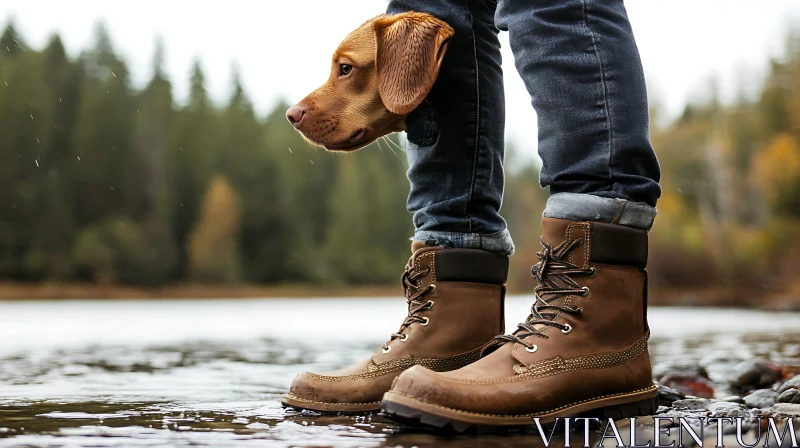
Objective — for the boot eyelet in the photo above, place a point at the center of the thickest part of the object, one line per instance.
(425, 321)
(432, 288)
(567, 329)
(592, 272)
(429, 305)
(585, 292)
(532, 348)
(387, 349)
(403, 338)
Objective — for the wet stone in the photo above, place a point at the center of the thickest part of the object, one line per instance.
(786, 409)
(684, 367)
(689, 384)
(692, 404)
(762, 398)
(754, 374)
(733, 399)
(727, 409)
(791, 383)
(789, 396)
(668, 395)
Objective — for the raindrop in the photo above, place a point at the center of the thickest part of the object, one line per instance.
(290, 150)
(6, 83)
(112, 187)
(113, 74)
(137, 111)
(79, 158)
(37, 141)
(37, 163)
(312, 162)
(31, 116)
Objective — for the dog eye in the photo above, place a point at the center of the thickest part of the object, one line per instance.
(345, 69)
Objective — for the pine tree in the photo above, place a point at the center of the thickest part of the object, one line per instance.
(191, 161)
(103, 157)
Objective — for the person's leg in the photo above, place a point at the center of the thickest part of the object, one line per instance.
(455, 288)
(580, 63)
(583, 348)
(456, 137)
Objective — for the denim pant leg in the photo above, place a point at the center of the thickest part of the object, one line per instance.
(456, 137)
(579, 61)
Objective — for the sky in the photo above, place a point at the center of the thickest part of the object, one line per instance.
(282, 49)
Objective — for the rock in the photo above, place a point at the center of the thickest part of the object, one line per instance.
(719, 358)
(727, 409)
(754, 374)
(791, 383)
(762, 399)
(685, 367)
(668, 395)
(692, 404)
(787, 396)
(733, 399)
(786, 409)
(689, 384)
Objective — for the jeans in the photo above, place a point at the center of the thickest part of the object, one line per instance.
(580, 64)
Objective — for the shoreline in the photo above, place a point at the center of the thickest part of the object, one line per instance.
(13, 291)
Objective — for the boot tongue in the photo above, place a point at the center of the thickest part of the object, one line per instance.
(554, 232)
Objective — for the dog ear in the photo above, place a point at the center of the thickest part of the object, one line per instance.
(409, 52)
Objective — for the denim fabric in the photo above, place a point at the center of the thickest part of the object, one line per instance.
(580, 64)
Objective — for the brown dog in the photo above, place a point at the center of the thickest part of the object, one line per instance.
(379, 74)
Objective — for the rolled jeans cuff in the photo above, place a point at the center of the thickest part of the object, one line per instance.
(587, 207)
(495, 242)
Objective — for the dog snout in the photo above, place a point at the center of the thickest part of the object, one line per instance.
(295, 115)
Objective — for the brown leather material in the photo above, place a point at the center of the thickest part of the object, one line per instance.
(448, 326)
(614, 244)
(611, 243)
(478, 266)
(595, 347)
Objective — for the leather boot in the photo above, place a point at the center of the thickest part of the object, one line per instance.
(583, 349)
(455, 309)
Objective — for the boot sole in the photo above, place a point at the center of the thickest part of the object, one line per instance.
(297, 402)
(407, 410)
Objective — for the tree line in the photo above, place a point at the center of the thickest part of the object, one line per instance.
(101, 182)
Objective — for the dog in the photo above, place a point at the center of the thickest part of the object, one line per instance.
(379, 74)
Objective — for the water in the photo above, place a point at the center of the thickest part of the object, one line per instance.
(210, 373)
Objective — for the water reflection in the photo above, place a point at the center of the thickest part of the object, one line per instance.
(219, 385)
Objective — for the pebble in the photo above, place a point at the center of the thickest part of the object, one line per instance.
(762, 398)
(668, 395)
(787, 396)
(793, 382)
(715, 408)
(754, 374)
(733, 399)
(715, 359)
(727, 409)
(689, 384)
(692, 404)
(787, 409)
(684, 367)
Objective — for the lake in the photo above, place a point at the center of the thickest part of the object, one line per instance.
(210, 372)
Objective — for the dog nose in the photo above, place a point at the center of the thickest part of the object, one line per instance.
(295, 115)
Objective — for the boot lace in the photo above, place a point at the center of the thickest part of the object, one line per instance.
(416, 303)
(553, 272)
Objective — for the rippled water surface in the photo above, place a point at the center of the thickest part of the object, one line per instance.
(210, 373)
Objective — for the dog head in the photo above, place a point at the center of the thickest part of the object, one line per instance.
(380, 73)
